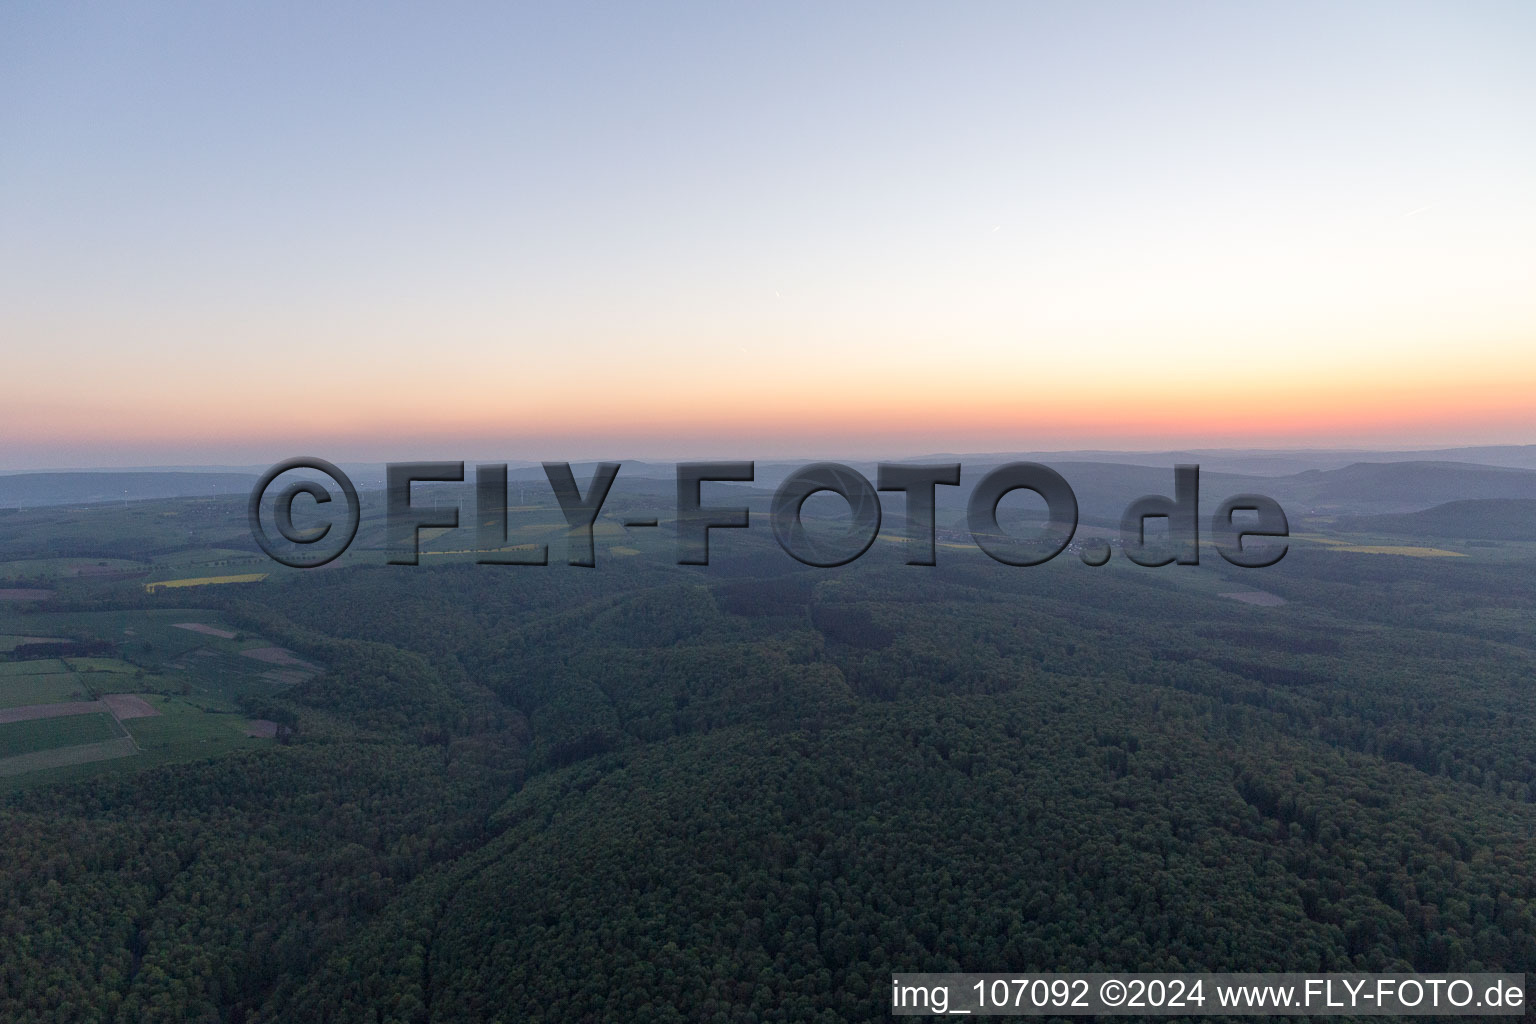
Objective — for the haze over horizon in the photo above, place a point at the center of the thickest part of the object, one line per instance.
(236, 234)
(1250, 461)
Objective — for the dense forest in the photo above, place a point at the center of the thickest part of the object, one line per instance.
(751, 791)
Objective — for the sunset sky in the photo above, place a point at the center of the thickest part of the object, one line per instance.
(239, 232)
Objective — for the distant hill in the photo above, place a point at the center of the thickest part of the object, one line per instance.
(1409, 485)
(1103, 487)
(1486, 519)
(1263, 461)
(28, 490)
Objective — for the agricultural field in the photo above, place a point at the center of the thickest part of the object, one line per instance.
(47, 733)
(205, 581)
(40, 688)
(98, 665)
(45, 765)
(49, 680)
(35, 745)
(186, 670)
(39, 667)
(1409, 550)
(183, 729)
(198, 558)
(149, 637)
(67, 568)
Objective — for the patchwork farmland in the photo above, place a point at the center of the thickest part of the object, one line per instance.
(84, 692)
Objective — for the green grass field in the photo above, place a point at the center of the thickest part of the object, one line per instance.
(99, 665)
(212, 557)
(192, 678)
(48, 733)
(52, 688)
(185, 730)
(64, 762)
(68, 568)
(40, 667)
(149, 636)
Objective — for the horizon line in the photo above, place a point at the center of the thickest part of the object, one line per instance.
(217, 466)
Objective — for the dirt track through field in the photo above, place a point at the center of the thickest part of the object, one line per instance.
(34, 711)
(206, 630)
(119, 705)
(126, 705)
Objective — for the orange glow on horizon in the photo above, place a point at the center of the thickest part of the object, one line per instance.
(830, 419)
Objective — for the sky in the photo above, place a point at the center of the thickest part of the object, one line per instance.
(233, 233)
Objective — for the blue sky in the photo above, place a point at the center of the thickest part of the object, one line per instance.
(233, 228)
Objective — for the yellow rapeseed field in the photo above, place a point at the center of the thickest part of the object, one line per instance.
(200, 581)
